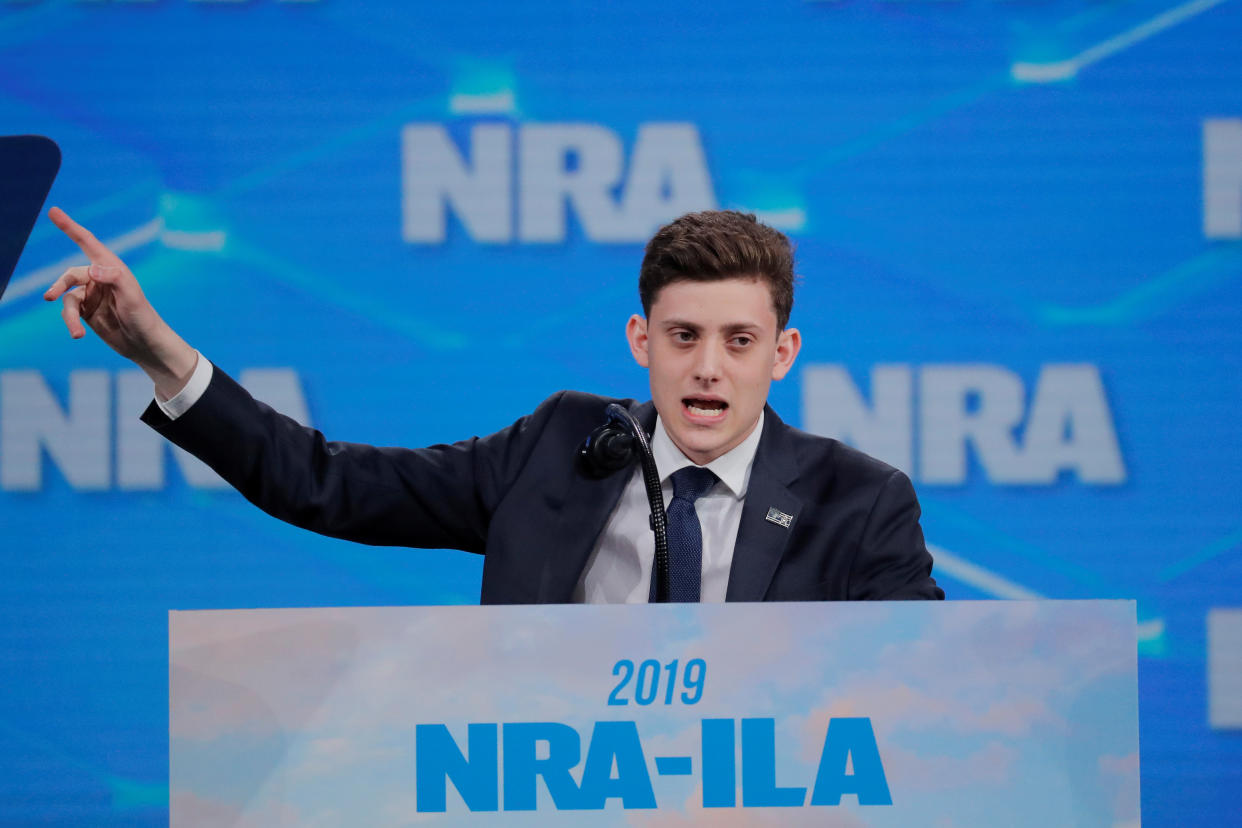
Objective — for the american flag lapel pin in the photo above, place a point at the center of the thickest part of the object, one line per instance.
(778, 517)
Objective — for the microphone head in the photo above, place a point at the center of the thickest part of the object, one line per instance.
(607, 449)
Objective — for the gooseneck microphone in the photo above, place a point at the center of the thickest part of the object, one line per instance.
(607, 449)
(610, 448)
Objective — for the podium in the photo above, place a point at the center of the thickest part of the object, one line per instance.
(888, 714)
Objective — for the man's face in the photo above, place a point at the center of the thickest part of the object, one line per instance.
(712, 350)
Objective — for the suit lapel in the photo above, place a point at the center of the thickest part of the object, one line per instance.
(761, 542)
(585, 507)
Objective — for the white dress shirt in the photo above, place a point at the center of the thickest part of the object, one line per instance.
(619, 569)
(175, 406)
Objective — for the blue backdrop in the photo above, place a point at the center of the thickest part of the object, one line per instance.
(1019, 227)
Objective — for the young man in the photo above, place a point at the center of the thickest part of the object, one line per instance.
(777, 515)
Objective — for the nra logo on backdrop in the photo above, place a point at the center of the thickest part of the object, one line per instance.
(929, 420)
(521, 183)
(1222, 178)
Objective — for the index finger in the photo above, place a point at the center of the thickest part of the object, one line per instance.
(83, 238)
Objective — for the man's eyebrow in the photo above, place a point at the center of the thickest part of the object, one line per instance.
(742, 327)
(728, 327)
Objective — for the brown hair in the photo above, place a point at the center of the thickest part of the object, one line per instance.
(719, 244)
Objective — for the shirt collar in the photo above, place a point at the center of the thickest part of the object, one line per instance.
(732, 467)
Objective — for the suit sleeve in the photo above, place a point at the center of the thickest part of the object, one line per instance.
(892, 562)
(437, 497)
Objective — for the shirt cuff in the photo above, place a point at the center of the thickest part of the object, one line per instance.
(187, 396)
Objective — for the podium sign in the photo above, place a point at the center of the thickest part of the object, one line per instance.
(889, 714)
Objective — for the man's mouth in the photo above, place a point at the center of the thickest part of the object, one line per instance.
(699, 407)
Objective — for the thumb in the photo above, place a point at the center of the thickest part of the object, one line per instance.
(108, 274)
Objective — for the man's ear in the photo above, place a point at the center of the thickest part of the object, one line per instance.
(788, 343)
(636, 333)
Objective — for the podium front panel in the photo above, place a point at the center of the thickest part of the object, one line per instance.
(887, 714)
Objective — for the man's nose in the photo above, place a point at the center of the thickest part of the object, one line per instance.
(708, 361)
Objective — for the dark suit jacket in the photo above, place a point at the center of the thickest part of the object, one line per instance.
(519, 497)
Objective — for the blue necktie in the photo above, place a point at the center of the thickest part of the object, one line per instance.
(685, 536)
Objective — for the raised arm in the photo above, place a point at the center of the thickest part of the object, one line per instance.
(106, 296)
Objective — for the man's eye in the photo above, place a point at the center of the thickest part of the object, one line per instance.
(683, 336)
(742, 341)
